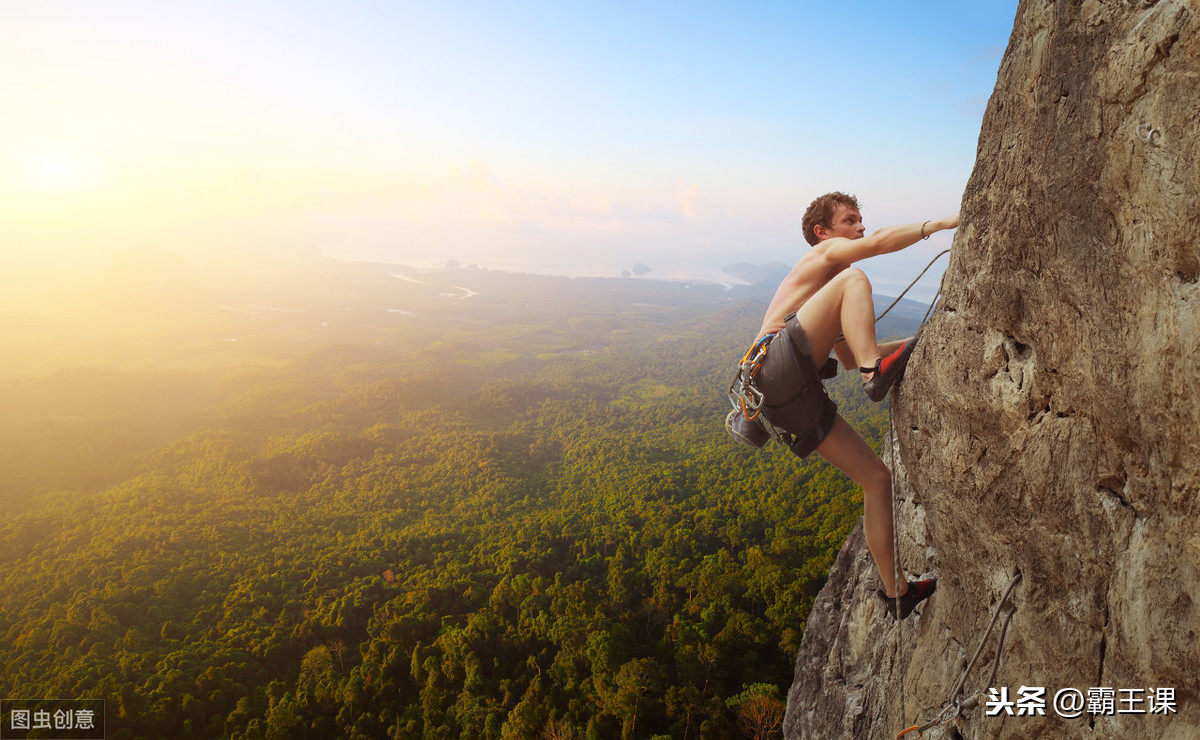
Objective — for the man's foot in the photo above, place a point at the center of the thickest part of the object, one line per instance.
(887, 371)
(917, 592)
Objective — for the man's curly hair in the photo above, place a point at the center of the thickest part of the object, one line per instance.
(821, 211)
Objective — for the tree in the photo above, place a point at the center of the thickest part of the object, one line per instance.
(635, 679)
(759, 713)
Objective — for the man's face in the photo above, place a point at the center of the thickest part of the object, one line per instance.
(847, 222)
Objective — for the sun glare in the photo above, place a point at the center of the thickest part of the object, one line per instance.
(57, 169)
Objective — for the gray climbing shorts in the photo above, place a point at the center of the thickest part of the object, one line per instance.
(794, 399)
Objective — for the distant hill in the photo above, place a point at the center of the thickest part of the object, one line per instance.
(772, 272)
(906, 308)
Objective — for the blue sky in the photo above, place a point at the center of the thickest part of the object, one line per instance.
(560, 137)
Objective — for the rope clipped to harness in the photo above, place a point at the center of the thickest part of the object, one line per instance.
(956, 704)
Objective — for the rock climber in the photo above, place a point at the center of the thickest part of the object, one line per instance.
(825, 304)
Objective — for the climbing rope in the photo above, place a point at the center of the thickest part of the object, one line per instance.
(914, 282)
(892, 431)
(842, 337)
(956, 704)
(897, 573)
(896, 570)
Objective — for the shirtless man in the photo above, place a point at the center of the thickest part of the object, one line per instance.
(831, 298)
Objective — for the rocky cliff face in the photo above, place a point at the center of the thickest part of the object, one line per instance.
(1049, 423)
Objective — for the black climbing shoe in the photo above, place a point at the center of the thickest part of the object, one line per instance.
(887, 371)
(917, 592)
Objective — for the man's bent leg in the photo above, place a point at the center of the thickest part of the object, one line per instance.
(842, 306)
(846, 450)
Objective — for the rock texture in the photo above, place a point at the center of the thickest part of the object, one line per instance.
(1050, 419)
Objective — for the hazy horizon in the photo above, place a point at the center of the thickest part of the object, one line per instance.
(18, 299)
(537, 136)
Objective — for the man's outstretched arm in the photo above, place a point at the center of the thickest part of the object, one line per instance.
(885, 240)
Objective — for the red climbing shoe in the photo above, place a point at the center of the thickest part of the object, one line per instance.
(917, 592)
(887, 371)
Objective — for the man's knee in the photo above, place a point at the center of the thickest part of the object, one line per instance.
(878, 478)
(856, 277)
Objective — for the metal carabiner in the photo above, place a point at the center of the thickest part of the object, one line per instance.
(752, 396)
(957, 712)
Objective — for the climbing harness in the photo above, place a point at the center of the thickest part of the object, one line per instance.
(746, 423)
(801, 422)
(748, 396)
(956, 704)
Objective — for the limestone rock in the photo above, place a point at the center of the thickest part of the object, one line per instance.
(1049, 423)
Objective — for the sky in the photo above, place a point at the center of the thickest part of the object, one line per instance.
(557, 137)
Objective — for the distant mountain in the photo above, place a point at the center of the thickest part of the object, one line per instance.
(906, 308)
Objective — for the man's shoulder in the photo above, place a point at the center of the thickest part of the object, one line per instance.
(818, 254)
(825, 246)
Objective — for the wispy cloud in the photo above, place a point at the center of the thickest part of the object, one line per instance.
(685, 198)
(476, 176)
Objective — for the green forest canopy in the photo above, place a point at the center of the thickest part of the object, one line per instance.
(521, 520)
